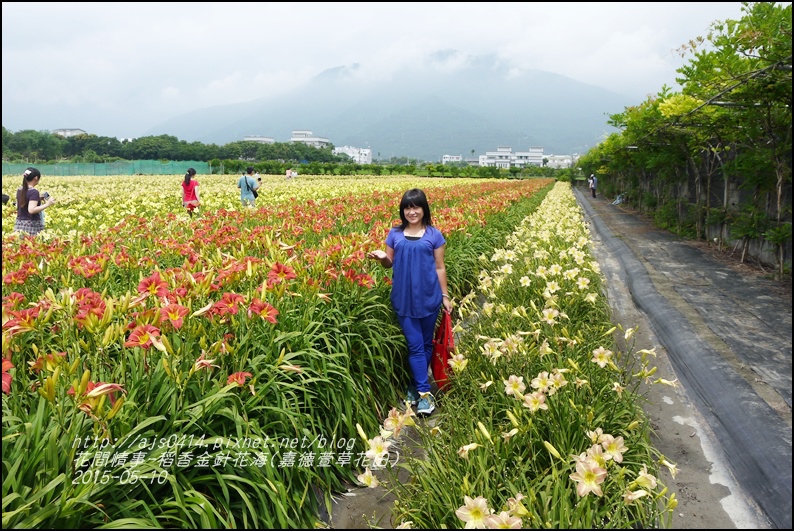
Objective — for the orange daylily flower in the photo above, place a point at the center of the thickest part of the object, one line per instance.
(22, 320)
(7, 366)
(153, 285)
(174, 313)
(102, 388)
(228, 304)
(89, 303)
(263, 310)
(280, 272)
(239, 378)
(88, 266)
(141, 336)
(90, 399)
(202, 363)
(13, 300)
(17, 277)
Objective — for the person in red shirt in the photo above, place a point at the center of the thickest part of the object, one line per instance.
(190, 194)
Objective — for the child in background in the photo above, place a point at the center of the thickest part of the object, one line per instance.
(190, 195)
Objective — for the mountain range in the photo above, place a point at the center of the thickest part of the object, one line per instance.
(421, 113)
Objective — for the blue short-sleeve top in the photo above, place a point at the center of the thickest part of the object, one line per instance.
(247, 184)
(416, 292)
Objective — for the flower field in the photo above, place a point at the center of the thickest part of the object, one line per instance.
(224, 370)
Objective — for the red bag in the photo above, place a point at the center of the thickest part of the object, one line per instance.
(443, 345)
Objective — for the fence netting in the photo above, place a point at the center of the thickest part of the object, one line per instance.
(124, 167)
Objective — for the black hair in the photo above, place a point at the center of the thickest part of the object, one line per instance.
(27, 177)
(249, 170)
(415, 198)
(190, 173)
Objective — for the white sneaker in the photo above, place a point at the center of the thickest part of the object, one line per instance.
(427, 404)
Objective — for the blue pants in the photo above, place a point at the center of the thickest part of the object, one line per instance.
(419, 337)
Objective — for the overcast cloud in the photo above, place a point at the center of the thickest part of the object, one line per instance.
(118, 69)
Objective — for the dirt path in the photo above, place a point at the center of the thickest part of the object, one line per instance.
(362, 507)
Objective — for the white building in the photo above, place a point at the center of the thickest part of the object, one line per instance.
(532, 157)
(504, 157)
(308, 138)
(66, 133)
(451, 158)
(560, 161)
(501, 158)
(359, 155)
(260, 139)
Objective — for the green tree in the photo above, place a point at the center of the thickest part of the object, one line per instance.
(36, 145)
(732, 121)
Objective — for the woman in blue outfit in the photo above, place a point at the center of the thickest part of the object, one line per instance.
(415, 252)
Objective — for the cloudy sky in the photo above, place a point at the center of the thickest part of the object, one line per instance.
(119, 69)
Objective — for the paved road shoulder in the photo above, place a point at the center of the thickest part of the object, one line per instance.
(728, 340)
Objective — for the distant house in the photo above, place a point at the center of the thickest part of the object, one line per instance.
(451, 158)
(308, 138)
(532, 157)
(500, 158)
(560, 161)
(504, 157)
(260, 139)
(66, 133)
(359, 155)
